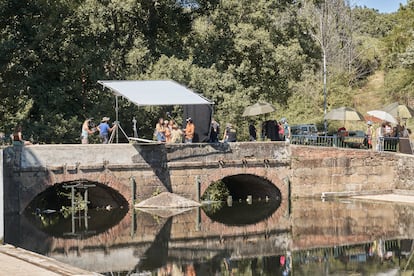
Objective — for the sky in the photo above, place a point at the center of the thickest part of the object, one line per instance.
(383, 6)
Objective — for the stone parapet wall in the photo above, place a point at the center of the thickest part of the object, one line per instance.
(51, 156)
(405, 171)
(316, 171)
(212, 153)
(37, 156)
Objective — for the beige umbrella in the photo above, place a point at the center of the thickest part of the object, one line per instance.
(258, 109)
(344, 114)
(399, 110)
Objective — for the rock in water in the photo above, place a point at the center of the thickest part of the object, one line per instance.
(167, 200)
(165, 213)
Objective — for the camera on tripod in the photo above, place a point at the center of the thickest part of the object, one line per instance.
(91, 124)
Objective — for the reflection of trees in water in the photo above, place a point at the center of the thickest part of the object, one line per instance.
(319, 225)
(368, 258)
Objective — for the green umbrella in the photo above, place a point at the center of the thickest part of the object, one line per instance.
(399, 110)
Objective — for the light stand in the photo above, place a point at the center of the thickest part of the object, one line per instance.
(115, 133)
(116, 118)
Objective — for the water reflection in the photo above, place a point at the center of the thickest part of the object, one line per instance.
(78, 225)
(315, 238)
(240, 213)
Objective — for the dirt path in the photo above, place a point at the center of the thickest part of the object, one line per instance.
(370, 96)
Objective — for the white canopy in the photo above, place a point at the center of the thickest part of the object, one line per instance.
(154, 92)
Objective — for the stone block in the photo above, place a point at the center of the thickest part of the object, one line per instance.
(357, 162)
(358, 178)
(339, 179)
(353, 187)
(381, 182)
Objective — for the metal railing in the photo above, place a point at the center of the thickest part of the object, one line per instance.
(388, 144)
(394, 144)
(330, 141)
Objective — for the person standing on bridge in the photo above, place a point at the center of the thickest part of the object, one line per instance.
(252, 132)
(214, 131)
(86, 131)
(176, 134)
(368, 135)
(230, 134)
(189, 131)
(104, 130)
(159, 132)
(18, 137)
(286, 130)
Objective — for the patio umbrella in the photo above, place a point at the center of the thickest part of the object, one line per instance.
(344, 114)
(382, 115)
(258, 109)
(399, 110)
(372, 119)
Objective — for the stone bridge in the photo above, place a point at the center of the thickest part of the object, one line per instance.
(188, 169)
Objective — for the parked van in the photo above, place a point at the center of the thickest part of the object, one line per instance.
(304, 134)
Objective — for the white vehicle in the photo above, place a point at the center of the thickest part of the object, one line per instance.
(304, 134)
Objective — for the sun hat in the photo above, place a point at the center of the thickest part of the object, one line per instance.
(105, 119)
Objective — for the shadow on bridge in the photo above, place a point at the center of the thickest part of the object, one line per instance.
(157, 159)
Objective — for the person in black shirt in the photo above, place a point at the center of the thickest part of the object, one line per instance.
(252, 132)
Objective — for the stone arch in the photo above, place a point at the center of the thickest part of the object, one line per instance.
(106, 208)
(243, 185)
(275, 176)
(99, 195)
(50, 178)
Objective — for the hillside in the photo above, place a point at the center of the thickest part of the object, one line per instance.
(371, 95)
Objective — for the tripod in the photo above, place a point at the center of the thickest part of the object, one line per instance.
(118, 126)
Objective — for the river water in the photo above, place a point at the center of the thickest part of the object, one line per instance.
(299, 237)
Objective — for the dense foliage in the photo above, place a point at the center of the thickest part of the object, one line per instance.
(52, 52)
